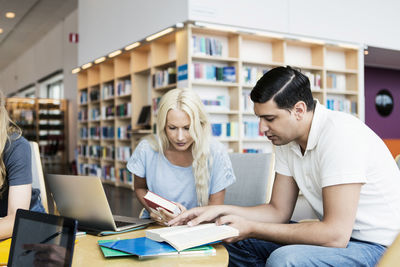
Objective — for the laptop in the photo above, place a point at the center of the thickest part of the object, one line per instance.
(41, 239)
(83, 198)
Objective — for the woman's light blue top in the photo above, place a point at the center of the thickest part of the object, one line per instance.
(177, 183)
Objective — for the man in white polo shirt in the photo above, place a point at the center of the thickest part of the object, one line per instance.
(342, 167)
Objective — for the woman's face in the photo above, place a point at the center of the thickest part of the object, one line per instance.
(177, 130)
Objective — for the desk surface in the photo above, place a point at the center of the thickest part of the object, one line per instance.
(88, 253)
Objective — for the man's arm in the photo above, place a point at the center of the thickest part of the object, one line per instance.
(279, 210)
(19, 197)
(340, 207)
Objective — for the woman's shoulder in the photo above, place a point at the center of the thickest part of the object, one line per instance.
(147, 144)
(16, 142)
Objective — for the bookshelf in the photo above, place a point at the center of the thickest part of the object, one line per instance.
(43, 121)
(222, 67)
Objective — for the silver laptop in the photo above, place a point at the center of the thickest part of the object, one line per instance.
(83, 198)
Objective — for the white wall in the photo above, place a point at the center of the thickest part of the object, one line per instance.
(373, 22)
(51, 53)
(106, 26)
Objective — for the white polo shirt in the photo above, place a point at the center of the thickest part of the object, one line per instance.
(341, 149)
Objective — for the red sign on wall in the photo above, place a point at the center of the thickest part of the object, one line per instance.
(73, 37)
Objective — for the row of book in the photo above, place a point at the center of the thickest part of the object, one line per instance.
(94, 114)
(162, 78)
(315, 79)
(89, 169)
(251, 129)
(342, 104)
(107, 90)
(23, 116)
(247, 104)
(336, 81)
(155, 104)
(106, 132)
(225, 129)
(220, 103)
(83, 97)
(94, 95)
(123, 153)
(125, 175)
(83, 115)
(206, 46)
(252, 150)
(211, 72)
(252, 74)
(124, 87)
(124, 110)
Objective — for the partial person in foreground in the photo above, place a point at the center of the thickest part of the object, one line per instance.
(15, 173)
(344, 170)
(181, 163)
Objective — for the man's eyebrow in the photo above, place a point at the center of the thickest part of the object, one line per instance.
(266, 116)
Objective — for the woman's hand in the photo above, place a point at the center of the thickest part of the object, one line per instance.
(162, 216)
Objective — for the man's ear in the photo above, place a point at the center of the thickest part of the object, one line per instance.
(300, 109)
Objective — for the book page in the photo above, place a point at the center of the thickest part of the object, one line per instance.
(199, 235)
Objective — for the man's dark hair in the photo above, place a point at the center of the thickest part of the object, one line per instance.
(285, 86)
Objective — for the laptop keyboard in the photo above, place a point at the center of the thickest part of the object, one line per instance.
(120, 224)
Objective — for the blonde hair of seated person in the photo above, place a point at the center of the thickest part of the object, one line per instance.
(200, 130)
(7, 128)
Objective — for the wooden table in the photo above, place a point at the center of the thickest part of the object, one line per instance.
(87, 253)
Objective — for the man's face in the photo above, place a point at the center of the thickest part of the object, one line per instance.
(280, 126)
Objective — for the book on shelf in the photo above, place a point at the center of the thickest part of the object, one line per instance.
(183, 237)
(155, 201)
(146, 248)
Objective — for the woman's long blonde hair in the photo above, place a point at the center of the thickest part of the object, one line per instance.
(200, 130)
(7, 128)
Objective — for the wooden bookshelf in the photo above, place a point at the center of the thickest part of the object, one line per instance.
(222, 67)
(44, 121)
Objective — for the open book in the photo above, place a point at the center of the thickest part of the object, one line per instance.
(184, 237)
(155, 201)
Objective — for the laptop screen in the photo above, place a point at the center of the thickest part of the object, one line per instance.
(41, 239)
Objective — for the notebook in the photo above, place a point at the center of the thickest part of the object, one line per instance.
(83, 198)
(42, 239)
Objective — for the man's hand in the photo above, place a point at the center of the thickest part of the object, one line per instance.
(198, 215)
(240, 223)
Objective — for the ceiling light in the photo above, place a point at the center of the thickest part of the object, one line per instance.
(97, 61)
(76, 70)
(87, 65)
(1, 30)
(131, 46)
(10, 15)
(159, 34)
(115, 53)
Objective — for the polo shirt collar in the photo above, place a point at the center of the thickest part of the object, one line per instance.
(315, 130)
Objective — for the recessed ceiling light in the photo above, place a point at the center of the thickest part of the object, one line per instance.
(1, 30)
(10, 15)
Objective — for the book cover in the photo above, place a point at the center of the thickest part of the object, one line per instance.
(183, 237)
(155, 201)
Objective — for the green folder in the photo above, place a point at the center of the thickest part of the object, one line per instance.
(205, 250)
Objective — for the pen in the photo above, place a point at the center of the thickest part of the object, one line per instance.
(42, 242)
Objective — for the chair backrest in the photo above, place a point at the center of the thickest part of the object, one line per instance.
(254, 179)
(397, 159)
(37, 174)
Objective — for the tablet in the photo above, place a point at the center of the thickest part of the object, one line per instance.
(41, 239)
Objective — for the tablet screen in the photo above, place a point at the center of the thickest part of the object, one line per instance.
(42, 240)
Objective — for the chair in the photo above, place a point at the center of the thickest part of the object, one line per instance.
(397, 159)
(37, 174)
(254, 178)
(392, 255)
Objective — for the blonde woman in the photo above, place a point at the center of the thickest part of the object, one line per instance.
(15, 174)
(181, 163)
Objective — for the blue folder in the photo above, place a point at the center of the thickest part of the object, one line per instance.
(141, 246)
